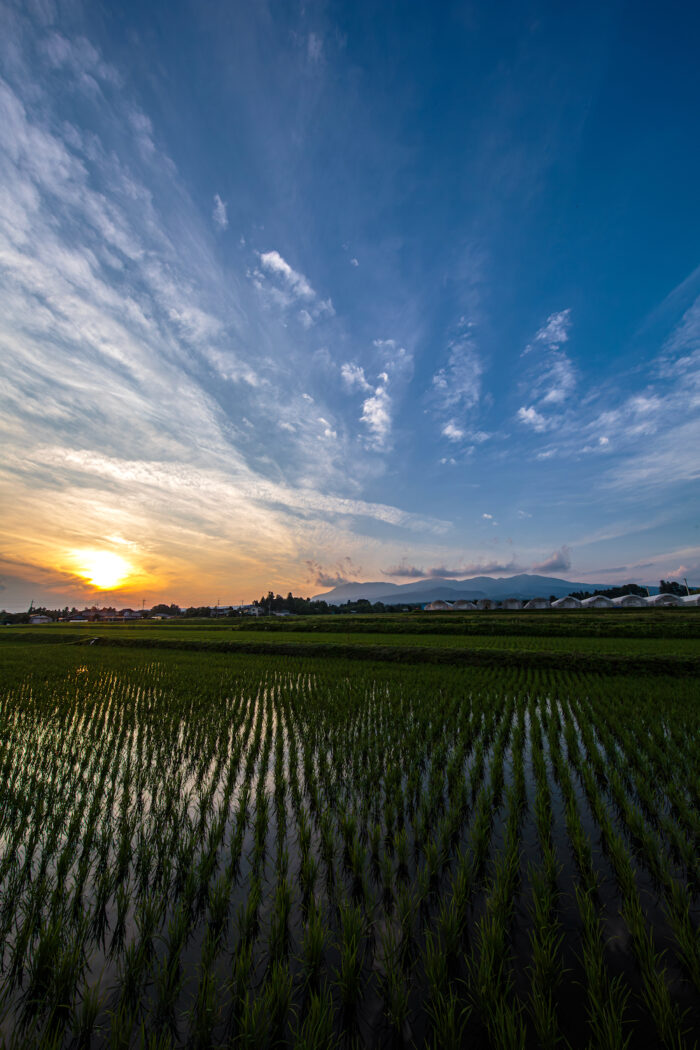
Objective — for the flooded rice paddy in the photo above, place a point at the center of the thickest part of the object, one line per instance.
(217, 850)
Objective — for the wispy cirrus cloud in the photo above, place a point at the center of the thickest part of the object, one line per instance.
(353, 377)
(378, 404)
(284, 286)
(532, 418)
(551, 379)
(220, 212)
(123, 341)
(457, 385)
(553, 333)
(376, 414)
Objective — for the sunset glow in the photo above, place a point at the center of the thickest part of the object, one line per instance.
(394, 299)
(103, 569)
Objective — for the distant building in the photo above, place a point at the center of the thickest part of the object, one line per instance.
(486, 603)
(597, 601)
(40, 619)
(537, 603)
(461, 605)
(691, 599)
(663, 599)
(567, 602)
(511, 603)
(438, 606)
(629, 601)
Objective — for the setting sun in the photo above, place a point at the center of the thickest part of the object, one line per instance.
(103, 569)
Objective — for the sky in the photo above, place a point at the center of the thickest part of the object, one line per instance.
(295, 294)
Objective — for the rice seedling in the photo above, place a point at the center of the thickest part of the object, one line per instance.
(313, 946)
(448, 1018)
(278, 997)
(349, 973)
(607, 999)
(278, 940)
(316, 1031)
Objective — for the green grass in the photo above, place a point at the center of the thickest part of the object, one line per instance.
(525, 642)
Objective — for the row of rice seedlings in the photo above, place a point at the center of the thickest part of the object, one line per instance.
(650, 851)
(546, 935)
(647, 779)
(489, 968)
(655, 990)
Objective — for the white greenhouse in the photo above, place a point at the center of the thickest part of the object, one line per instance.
(629, 601)
(438, 606)
(566, 603)
(460, 605)
(511, 603)
(537, 603)
(597, 601)
(663, 599)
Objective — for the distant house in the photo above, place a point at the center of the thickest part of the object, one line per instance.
(40, 619)
(511, 603)
(598, 601)
(438, 606)
(663, 599)
(537, 603)
(629, 601)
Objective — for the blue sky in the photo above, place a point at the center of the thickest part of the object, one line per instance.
(296, 294)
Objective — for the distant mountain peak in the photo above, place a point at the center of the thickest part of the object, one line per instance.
(523, 585)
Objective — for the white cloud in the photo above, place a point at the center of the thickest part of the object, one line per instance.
(376, 414)
(524, 514)
(557, 381)
(452, 432)
(354, 261)
(285, 287)
(488, 517)
(298, 285)
(553, 332)
(558, 561)
(532, 418)
(458, 384)
(219, 214)
(314, 47)
(353, 377)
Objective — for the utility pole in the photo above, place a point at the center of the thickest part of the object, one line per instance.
(687, 588)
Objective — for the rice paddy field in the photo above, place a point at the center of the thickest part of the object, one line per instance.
(356, 843)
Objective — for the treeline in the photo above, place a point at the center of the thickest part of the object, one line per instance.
(613, 592)
(274, 603)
